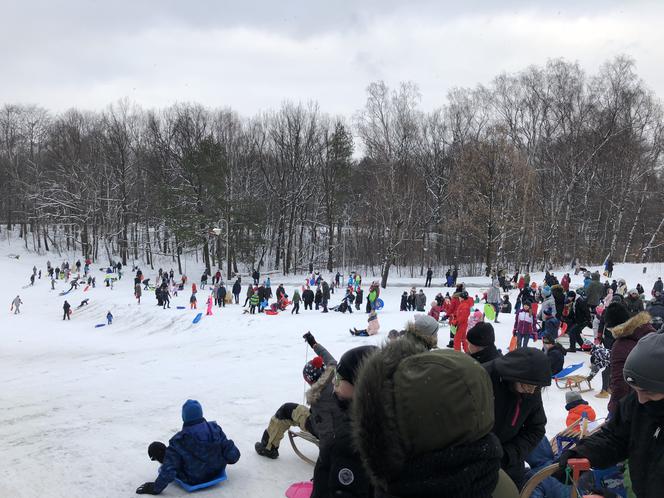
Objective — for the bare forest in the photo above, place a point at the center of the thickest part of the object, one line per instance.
(534, 169)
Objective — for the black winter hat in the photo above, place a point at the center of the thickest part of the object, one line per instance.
(527, 365)
(351, 360)
(481, 335)
(157, 451)
(615, 314)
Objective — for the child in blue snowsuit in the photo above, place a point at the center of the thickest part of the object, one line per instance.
(109, 318)
(198, 453)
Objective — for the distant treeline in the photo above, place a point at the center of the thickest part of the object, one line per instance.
(537, 168)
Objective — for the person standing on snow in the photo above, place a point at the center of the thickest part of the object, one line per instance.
(461, 316)
(296, 302)
(427, 282)
(109, 318)
(237, 288)
(16, 304)
(67, 309)
(325, 297)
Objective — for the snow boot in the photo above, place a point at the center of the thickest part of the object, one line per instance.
(262, 450)
(602, 394)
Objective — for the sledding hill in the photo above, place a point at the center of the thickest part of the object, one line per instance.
(81, 403)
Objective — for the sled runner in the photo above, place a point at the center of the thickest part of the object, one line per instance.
(307, 437)
(300, 490)
(197, 318)
(190, 488)
(564, 380)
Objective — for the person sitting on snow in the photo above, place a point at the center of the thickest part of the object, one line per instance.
(196, 454)
(372, 326)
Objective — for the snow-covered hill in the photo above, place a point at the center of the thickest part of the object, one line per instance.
(81, 404)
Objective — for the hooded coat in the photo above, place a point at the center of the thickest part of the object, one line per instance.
(631, 433)
(520, 420)
(626, 336)
(196, 454)
(408, 445)
(556, 357)
(487, 354)
(323, 407)
(595, 290)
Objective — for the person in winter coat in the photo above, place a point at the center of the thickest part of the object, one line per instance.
(318, 297)
(254, 301)
(656, 308)
(359, 294)
(580, 319)
(16, 305)
(325, 295)
(339, 471)
(520, 421)
(633, 302)
(657, 288)
(374, 292)
(137, 292)
(237, 288)
(416, 452)
(481, 343)
(594, 291)
(296, 302)
(193, 302)
(506, 305)
(461, 316)
(627, 332)
(558, 294)
(493, 297)
(577, 407)
(196, 454)
(600, 359)
(221, 295)
(410, 301)
(548, 302)
(372, 326)
(250, 292)
(308, 298)
(633, 431)
(565, 281)
(427, 283)
(621, 288)
(420, 301)
(404, 302)
(316, 419)
(550, 324)
(109, 318)
(434, 311)
(555, 353)
(67, 311)
(524, 326)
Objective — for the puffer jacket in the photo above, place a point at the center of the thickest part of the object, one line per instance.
(576, 409)
(626, 336)
(323, 407)
(595, 290)
(520, 420)
(196, 454)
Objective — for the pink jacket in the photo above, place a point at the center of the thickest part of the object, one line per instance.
(373, 326)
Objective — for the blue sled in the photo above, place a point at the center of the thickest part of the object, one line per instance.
(190, 488)
(379, 304)
(197, 318)
(182, 307)
(100, 325)
(567, 370)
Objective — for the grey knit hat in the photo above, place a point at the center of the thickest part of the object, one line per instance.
(643, 367)
(571, 396)
(426, 326)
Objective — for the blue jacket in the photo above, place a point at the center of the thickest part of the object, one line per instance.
(196, 454)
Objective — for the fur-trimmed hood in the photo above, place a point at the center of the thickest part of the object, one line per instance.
(628, 328)
(314, 392)
(397, 417)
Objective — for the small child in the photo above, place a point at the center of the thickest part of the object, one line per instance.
(435, 310)
(476, 317)
(109, 318)
(600, 359)
(404, 302)
(372, 326)
(193, 301)
(556, 354)
(524, 325)
(550, 324)
(577, 407)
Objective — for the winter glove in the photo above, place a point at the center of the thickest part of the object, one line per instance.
(310, 339)
(146, 489)
(561, 473)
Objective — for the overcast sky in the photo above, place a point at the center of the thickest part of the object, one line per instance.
(252, 55)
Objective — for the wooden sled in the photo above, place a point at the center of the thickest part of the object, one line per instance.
(307, 437)
(574, 383)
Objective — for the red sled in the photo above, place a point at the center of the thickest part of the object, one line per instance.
(300, 490)
(86, 288)
(563, 329)
(270, 312)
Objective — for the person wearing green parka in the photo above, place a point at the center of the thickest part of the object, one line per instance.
(296, 302)
(423, 423)
(253, 302)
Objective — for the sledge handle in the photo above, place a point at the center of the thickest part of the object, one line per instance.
(578, 465)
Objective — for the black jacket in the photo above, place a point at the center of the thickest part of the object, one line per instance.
(488, 354)
(520, 420)
(632, 433)
(326, 291)
(308, 296)
(339, 472)
(556, 356)
(581, 312)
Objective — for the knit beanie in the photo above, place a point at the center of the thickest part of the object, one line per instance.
(313, 370)
(425, 327)
(615, 314)
(191, 411)
(546, 291)
(351, 360)
(481, 335)
(571, 396)
(643, 367)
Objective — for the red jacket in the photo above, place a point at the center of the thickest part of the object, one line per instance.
(434, 312)
(463, 310)
(576, 410)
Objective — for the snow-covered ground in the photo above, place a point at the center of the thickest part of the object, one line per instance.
(80, 404)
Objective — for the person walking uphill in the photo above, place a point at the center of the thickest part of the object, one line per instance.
(196, 454)
(403, 428)
(520, 420)
(634, 431)
(16, 305)
(339, 472)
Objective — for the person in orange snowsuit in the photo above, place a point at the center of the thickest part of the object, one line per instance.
(461, 315)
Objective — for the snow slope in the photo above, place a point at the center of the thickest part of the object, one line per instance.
(81, 404)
